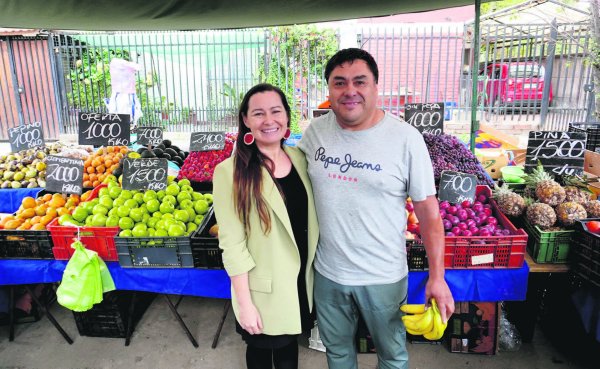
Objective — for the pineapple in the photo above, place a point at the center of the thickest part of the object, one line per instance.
(541, 215)
(547, 190)
(510, 203)
(592, 208)
(577, 194)
(568, 212)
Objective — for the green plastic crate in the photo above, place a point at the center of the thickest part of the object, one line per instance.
(548, 247)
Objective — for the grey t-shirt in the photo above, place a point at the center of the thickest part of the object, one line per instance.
(361, 180)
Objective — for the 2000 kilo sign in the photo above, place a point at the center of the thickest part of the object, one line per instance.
(64, 175)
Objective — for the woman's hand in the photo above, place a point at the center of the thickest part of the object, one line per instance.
(250, 319)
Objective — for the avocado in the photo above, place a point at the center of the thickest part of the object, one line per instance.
(148, 154)
(171, 152)
(177, 160)
(141, 150)
(175, 148)
(161, 146)
(158, 152)
(117, 172)
(167, 143)
(166, 156)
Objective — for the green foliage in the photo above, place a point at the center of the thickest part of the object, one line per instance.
(297, 51)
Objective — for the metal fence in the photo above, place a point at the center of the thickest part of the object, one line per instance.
(194, 80)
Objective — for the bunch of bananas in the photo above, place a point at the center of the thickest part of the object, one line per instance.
(424, 322)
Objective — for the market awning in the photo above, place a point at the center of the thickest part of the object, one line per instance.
(202, 14)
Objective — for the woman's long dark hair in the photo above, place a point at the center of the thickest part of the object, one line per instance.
(249, 161)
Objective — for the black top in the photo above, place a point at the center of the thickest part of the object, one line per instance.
(296, 202)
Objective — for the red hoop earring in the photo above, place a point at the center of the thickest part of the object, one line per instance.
(287, 134)
(248, 138)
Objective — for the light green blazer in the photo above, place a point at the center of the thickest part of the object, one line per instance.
(272, 261)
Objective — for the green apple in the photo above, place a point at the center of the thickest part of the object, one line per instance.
(80, 213)
(151, 233)
(160, 225)
(182, 196)
(100, 209)
(99, 220)
(152, 205)
(152, 222)
(106, 201)
(146, 217)
(157, 214)
(131, 203)
(191, 213)
(136, 214)
(167, 216)
(170, 198)
(171, 179)
(166, 207)
(160, 195)
(201, 207)
(149, 195)
(118, 202)
(126, 194)
(112, 221)
(140, 230)
(114, 192)
(198, 219)
(209, 198)
(197, 196)
(112, 212)
(187, 188)
(161, 233)
(184, 182)
(139, 197)
(88, 220)
(186, 204)
(172, 189)
(104, 191)
(123, 211)
(125, 233)
(126, 223)
(191, 227)
(176, 230)
(181, 215)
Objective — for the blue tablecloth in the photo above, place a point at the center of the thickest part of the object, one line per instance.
(10, 198)
(466, 285)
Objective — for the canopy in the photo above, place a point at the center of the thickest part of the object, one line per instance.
(150, 15)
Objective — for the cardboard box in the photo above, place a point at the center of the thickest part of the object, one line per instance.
(473, 328)
(492, 161)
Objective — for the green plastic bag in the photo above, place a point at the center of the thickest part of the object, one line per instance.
(84, 280)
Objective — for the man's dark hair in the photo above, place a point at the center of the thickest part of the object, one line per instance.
(350, 55)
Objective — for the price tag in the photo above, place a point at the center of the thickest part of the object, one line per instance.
(149, 135)
(207, 141)
(26, 136)
(456, 187)
(104, 129)
(145, 174)
(427, 117)
(64, 175)
(559, 152)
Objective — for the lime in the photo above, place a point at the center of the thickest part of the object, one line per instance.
(201, 207)
(114, 191)
(149, 195)
(125, 233)
(100, 209)
(123, 211)
(176, 230)
(183, 196)
(99, 220)
(184, 182)
(166, 207)
(80, 213)
(126, 223)
(139, 197)
(106, 201)
(181, 215)
(170, 198)
(161, 233)
(152, 205)
(172, 189)
(136, 214)
(112, 221)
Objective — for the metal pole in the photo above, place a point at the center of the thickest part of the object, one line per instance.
(548, 73)
(474, 75)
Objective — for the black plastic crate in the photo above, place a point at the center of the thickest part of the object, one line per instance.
(19, 244)
(202, 186)
(205, 248)
(416, 255)
(109, 318)
(586, 250)
(154, 252)
(593, 133)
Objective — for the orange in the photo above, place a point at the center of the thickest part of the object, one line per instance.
(96, 162)
(93, 177)
(52, 212)
(46, 219)
(87, 184)
(38, 227)
(57, 202)
(96, 183)
(100, 169)
(41, 209)
(90, 170)
(110, 149)
(28, 202)
(47, 197)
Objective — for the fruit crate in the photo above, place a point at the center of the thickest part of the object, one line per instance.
(205, 248)
(548, 246)
(109, 318)
(487, 252)
(18, 244)
(99, 239)
(154, 252)
(201, 186)
(586, 252)
(416, 255)
(593, 133)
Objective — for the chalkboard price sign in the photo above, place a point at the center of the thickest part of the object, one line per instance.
(26, 136)
(100, 129)
(561, 153)
(145, 174)
(456, 187)
(427, 117)
(207, 141)
(149, 135)
(64, 175)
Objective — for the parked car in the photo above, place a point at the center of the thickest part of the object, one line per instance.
(514, 84)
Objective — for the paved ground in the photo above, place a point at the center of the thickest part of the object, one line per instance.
(159, 342)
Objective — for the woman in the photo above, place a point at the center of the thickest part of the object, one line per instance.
(268, 231)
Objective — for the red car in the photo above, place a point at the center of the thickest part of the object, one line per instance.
(514, 84)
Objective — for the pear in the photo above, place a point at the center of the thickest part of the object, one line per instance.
(15, 184)
(31, 172)
(8, 175)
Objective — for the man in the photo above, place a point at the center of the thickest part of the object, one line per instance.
(363, 164)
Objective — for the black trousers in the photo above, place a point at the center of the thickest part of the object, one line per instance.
(285, 357)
